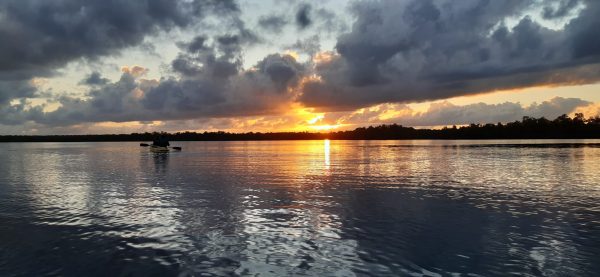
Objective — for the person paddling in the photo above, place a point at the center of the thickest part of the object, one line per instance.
(161, 141)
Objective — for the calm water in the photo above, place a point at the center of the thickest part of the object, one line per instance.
(320, 208)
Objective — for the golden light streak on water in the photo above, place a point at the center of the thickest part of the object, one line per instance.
(327, 148)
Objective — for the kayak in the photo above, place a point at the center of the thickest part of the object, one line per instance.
(158, 149)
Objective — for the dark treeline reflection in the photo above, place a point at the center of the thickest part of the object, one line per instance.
(299, 208)
(563, 127)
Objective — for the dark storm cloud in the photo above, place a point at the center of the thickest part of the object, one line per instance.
(10, 89)
(18, 113)
(94, 79)
(560, 9)
(39, 37)
(222, 58)
(209, 82)
(583, 33)
(273, 23)
(283, 71)
(40, 34)
(220, 87)
(198, 44)
(303, 16)
(109, 100)
(424, 50)
(396, 51)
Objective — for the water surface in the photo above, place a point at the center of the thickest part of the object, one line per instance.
(318, 208)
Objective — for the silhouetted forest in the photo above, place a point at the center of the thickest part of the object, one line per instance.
(562, 127)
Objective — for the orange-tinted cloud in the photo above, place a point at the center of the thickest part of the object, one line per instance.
(135, 71)
(591, 110)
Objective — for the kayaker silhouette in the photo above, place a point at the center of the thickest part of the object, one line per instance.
(161, 141)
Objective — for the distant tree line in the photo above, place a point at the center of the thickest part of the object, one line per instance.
(563, 127)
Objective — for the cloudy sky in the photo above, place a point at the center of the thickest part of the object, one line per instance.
(119, 66)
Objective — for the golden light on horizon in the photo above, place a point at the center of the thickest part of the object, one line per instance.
(588, 111)
(325, 127)
(316, 119)
(393, 111)
(524, 95)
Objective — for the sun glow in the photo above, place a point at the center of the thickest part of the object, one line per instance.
(324, 57)
(326, 127)
(39, 82)
(293, 54)
(315, 119)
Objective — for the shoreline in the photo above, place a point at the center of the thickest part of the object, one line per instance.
(314, 139)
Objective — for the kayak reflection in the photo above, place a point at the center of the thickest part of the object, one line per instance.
(161, 162)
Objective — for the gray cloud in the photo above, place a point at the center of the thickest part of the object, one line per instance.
(446, 114)
(10, 89)
(303, 16)
(209, 82)
(94, 79)
(111, 101)
(395, 52)
(219, 87)
(328, 21)
(273, 23)
(198, 44)
(426, 50)
(39, 37)
(17, 113)
(560, 9)
(39, 34)
(582, 38)
(309, 46)
(283, 71)
(318, 18)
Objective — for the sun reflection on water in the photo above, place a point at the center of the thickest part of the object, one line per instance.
(278, 208)
(327, 150)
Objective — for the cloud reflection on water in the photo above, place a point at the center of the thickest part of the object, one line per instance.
(301, 207)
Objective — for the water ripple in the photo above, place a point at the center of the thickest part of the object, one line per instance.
(339, 208)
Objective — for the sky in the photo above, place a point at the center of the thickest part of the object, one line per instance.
(120, 66)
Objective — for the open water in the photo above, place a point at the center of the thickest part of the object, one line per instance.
(318, 208)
